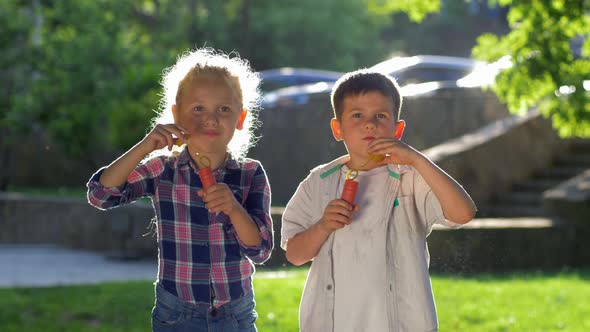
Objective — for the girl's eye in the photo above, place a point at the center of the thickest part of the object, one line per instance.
(199, 108)
(356, 115)
(381, 116)
(224, 109)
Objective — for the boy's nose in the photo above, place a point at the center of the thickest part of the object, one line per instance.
(370, 124)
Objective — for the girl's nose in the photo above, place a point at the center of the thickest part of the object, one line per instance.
(210, 119)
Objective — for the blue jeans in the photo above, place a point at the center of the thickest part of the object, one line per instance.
(172, 314)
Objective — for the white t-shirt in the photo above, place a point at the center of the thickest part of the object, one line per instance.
(360, 303)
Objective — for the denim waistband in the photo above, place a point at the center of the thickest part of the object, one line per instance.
(202, 310)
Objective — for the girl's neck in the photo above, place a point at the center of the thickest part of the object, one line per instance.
(208, 159)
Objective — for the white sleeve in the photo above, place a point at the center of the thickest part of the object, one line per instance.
(429, 207)
(299, 215)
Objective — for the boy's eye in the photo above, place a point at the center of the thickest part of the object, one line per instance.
(356, 115)
(224, 109)
(381, 116)
(198, 108)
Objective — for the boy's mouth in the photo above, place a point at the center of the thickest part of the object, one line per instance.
(369, 138)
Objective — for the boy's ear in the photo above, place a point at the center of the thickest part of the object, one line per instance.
(175, 113)
(399, 129)
(241, 119)
(335, 125)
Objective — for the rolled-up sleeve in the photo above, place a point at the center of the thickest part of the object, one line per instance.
(140, 183)
(258, 206)
(428, 205)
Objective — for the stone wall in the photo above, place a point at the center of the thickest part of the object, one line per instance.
(487, 161)
(121, 233)
(73, 223)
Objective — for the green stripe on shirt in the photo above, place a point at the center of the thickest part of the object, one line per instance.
(330, 171)
(393, 174)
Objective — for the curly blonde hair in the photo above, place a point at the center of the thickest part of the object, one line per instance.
(207, 61)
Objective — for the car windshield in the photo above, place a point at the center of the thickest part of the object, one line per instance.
(274, 79)
(426, 68)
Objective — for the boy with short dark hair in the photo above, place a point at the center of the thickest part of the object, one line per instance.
(370, 258)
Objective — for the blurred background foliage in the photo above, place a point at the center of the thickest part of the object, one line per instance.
(550, 53)
(85, 73)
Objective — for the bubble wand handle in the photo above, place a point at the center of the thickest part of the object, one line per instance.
(350, 186)
(207, 177)
(205, 172)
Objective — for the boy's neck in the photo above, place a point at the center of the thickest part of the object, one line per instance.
(362, 165)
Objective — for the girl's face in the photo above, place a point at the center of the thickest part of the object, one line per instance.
(364, 117)
(211, 110)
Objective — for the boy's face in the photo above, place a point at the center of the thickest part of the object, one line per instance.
(211, 110)
(364, 117)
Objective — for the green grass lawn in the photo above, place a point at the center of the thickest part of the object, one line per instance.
(532, 301)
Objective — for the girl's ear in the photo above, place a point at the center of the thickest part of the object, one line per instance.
(241, 120)
(175, 113)
(335, 125)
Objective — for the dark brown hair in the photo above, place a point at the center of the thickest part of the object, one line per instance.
(362, 81)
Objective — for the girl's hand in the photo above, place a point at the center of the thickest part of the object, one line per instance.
(162, 136)
(219, 198)
(394, 150)
(337, 215)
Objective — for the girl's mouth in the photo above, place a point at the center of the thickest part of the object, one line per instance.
(369, 138)
(210, 133)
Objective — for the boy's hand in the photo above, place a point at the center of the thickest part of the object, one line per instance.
(161, 136)
(219, 198)
(394, 150)
(336, 215)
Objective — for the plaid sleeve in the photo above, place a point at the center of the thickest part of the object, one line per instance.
(258, 206)
(140, 183)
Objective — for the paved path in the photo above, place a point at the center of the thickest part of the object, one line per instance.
(46, 265)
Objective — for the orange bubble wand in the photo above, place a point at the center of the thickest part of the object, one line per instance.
(206, 173)
(204, 166)
(350, 186)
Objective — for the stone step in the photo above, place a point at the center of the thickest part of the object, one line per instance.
(573, 160)
(510, 211)
(521, 198)
(561, 173)
(536, 185)
(579, 145)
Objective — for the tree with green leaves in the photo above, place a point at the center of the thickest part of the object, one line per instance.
(86, 74)
(539, 45)
(544, 62)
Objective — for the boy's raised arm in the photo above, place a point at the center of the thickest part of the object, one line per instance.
(457, 205)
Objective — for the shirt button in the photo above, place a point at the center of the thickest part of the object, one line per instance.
(329, 287)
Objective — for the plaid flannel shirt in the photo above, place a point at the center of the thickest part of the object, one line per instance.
(201, 259)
